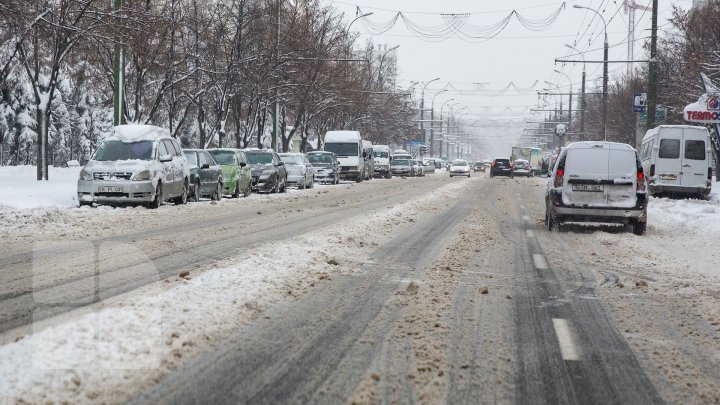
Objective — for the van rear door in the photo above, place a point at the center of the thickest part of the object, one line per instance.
(668, 166)
(600, 175)
(694, 158)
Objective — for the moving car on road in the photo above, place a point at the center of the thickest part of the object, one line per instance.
(597, 182)
(521, 167)
(326, 166)
(459, 167)
(501, 167)
(381, 155)
(300, 172)
(236, 173)
(417, 169)
(428, 165)
(268, 170)
(206, 178)
(136, 164)
(401, 167)
(478, 167)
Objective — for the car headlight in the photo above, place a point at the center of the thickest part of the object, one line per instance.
(85, 175)
(267, 173)
(142, 176)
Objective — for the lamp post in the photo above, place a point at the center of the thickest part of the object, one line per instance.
(582, 91)
(569, 101)
(432, 123)
(422, 108)
(382, 59)
(447, 144)
(357, 18)
(441, 123)
(605, 71)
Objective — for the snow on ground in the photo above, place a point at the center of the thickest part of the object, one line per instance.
(108, 350)
(19, 188)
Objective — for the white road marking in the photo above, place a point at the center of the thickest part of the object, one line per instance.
(530, 233)
(568, 349)
(522, 207)
(526, 218)
(540, 262)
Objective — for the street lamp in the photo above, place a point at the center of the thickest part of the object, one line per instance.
(432, 122)
(422, 107)
(357, 18)
(441, 122)
(582, 90)
(569, 101)
(382, 59)
(605, 71)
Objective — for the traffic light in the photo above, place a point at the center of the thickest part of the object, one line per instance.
(423, 149)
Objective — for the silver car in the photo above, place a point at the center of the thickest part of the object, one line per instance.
(138, 164)
(597, 182)
(300, 172)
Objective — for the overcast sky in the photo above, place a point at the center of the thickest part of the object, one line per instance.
(478, 69)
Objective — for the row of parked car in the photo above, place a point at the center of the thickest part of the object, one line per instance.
(144, 164)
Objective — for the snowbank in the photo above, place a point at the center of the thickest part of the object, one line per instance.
(19, 188)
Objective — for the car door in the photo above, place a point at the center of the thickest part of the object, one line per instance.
(309, 170)
(244, 173)
(668, 166)
(694, 159)
(175, 184)
(206, 173)
(167, 173)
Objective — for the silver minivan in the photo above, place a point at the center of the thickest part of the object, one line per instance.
(136, 164)
(597, 182)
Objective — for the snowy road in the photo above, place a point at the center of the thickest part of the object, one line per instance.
(431, 290)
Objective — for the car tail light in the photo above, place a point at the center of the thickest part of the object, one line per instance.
(640, 181)
(559, 177)
(652, 170)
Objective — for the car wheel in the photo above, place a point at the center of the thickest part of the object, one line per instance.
(312, 183)
(196, 192)
(248, 191)
(183, 198)
(158, 200)
(639, 227)
(217, 194)
(303, 186)
(284, 187)
(276, 187)
(552, 223)
(236, 193)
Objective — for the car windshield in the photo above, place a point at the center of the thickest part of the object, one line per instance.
(381, 154)
(401, 162)
(342, 149)
(429, 163)
(292, 159)
(223, 157)
(191, 158)
(459, 163)
(320, 158)
(117, 150)
(259, 158)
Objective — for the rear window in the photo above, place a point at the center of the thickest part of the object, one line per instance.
(503, 161)
(669, 149)
(695, 150)
(600, 163)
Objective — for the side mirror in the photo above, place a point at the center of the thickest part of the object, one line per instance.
(281, 163)
(242, 164)
(166, 158)
(205, 166)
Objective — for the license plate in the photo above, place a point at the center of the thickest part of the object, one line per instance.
(588, 187)
(109, 189)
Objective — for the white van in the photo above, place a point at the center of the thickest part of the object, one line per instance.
(381, 156)
(369, 161)
(677, 160)
(401, 154)
(348, 149)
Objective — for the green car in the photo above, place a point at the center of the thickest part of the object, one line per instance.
(236, 171)
(206, 176)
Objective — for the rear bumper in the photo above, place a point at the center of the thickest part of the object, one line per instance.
(597, 214)
(666, 188)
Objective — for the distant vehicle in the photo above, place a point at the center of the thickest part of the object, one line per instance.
(521, 167)
(532, 155)
(236, 173)
(300, 172)
(677, 160)
(327, 168)
(206, 177)
(501, 167)
(417, 168)
(381, 156)
(478, 167)
(369, 160)
(459, 167)
(136, 164)
(428, 165)
(401, 154)
(597, 182)
(349, 151)
(401, 167)
(268, 171)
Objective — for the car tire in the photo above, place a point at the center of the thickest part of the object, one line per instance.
(284, 187)
(312, 183)
(639, 227)
(247, 192)
(158, 200)
(303, 186)
(196, 192)
(236, 193)
(218, 193)
(183, 198)
(276, 187)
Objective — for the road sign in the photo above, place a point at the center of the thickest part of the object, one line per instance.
(560, 130)
(640, 102)
(659, 115)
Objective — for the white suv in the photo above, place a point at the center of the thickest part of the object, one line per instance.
(597, 182)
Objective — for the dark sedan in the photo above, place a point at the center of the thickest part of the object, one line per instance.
(501, 167)
(206, 177)
(268, 171)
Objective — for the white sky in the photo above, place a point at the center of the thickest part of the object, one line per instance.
(516, 55)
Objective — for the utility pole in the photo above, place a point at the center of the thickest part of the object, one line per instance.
(276, 109)
(652, 70)
(119, 76)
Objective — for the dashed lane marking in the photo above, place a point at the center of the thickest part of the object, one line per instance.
(540, 262)
(530, 233)
(522, 207)
(568, 349)
(526, 218)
